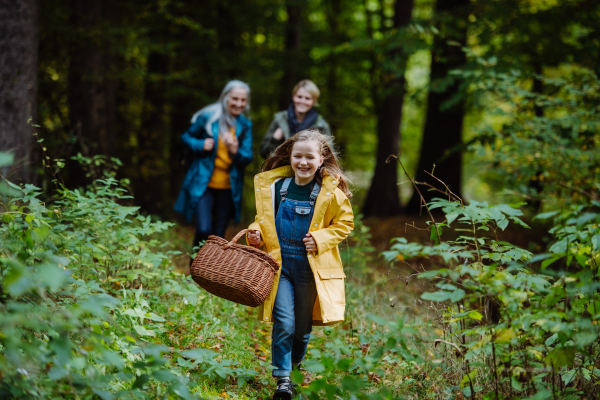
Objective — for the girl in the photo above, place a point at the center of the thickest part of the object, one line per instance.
(220, 140)
(303, 213)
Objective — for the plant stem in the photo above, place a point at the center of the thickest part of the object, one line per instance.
(495, 371)
(437, 233)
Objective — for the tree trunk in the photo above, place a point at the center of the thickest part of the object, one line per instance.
(152, 184)
(334, 11)
(383, 198)
(92, 85)
(19, 37)
(442, 135)
(293, 53)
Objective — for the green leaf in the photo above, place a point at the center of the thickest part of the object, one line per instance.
(52, 276)
(468, 377)
(435, 237)
(451, 216)
(457, 295)
(103, 394)
(344, 364)
(441, 295)
(6, 159)
(561, 356)
(297, 377)
(475, 315)
(164, 289)
(545, 215)
(504, 336)
(503, 223)
(163, 376)
(352, 384)
(376, 319)
(197, 354)
(313, 366)
(596, 242)
(62, 346)
(140, 381)
(549, 261)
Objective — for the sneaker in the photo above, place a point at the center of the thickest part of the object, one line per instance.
(284, 390)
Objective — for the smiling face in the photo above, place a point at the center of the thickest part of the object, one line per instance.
(303, 101)
(238, 99)
(305, 159)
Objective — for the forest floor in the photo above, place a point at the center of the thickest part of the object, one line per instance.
(381, 289)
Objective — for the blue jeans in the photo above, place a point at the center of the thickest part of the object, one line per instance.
(297, 291)
(213, 211)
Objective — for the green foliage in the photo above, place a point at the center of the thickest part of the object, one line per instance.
(520, 324)
(79, 311)
(349, 370)
(357, 249)
(547, 148)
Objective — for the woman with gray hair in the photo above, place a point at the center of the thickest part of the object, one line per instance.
(220, 139)
(300, 115)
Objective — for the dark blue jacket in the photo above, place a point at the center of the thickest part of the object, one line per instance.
(201, 169)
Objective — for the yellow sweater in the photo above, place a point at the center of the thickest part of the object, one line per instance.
(220, 176)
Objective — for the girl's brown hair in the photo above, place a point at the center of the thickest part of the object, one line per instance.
(281, 156)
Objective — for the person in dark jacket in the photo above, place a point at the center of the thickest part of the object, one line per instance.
(299, 116)
(221, 141)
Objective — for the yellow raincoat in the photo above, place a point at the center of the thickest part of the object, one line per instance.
(332, 222)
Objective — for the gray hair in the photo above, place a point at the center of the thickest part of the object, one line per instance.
(220, 111)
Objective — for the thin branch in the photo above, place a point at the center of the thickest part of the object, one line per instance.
(437, 233)
(449, 193)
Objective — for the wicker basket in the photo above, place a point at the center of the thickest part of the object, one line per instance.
(235, 272)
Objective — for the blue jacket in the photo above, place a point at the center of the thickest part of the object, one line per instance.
(201, 169)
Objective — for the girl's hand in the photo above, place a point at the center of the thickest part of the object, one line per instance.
(310, 243)
(209, 144)
(254, 238)
(278, 134)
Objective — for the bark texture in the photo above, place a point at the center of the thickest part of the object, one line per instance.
(383, 198)
(19, 37)
(152, 183)
(442, 135)
(92, 85)
(293, 51)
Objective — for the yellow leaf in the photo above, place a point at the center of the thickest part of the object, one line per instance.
(504, 336)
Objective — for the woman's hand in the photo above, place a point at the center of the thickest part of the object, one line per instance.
(209, 144)
(232, 143)
(310, 243)
(278, 134)
(254, 238)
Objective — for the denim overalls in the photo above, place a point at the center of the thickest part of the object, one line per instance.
(297, 291)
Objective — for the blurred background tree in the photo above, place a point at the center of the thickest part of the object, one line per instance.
(122, 78)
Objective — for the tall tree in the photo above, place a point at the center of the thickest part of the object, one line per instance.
(92, 90)
(154, 153)
(383, 198)
(292, 52)
(442, 134)
(19, 36)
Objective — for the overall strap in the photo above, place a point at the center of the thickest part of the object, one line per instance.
(284, 188)
(315, 192)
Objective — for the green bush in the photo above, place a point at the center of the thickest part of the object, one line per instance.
(517, 325)
(81, 278)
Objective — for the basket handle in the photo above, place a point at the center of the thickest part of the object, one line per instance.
(237, 237)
